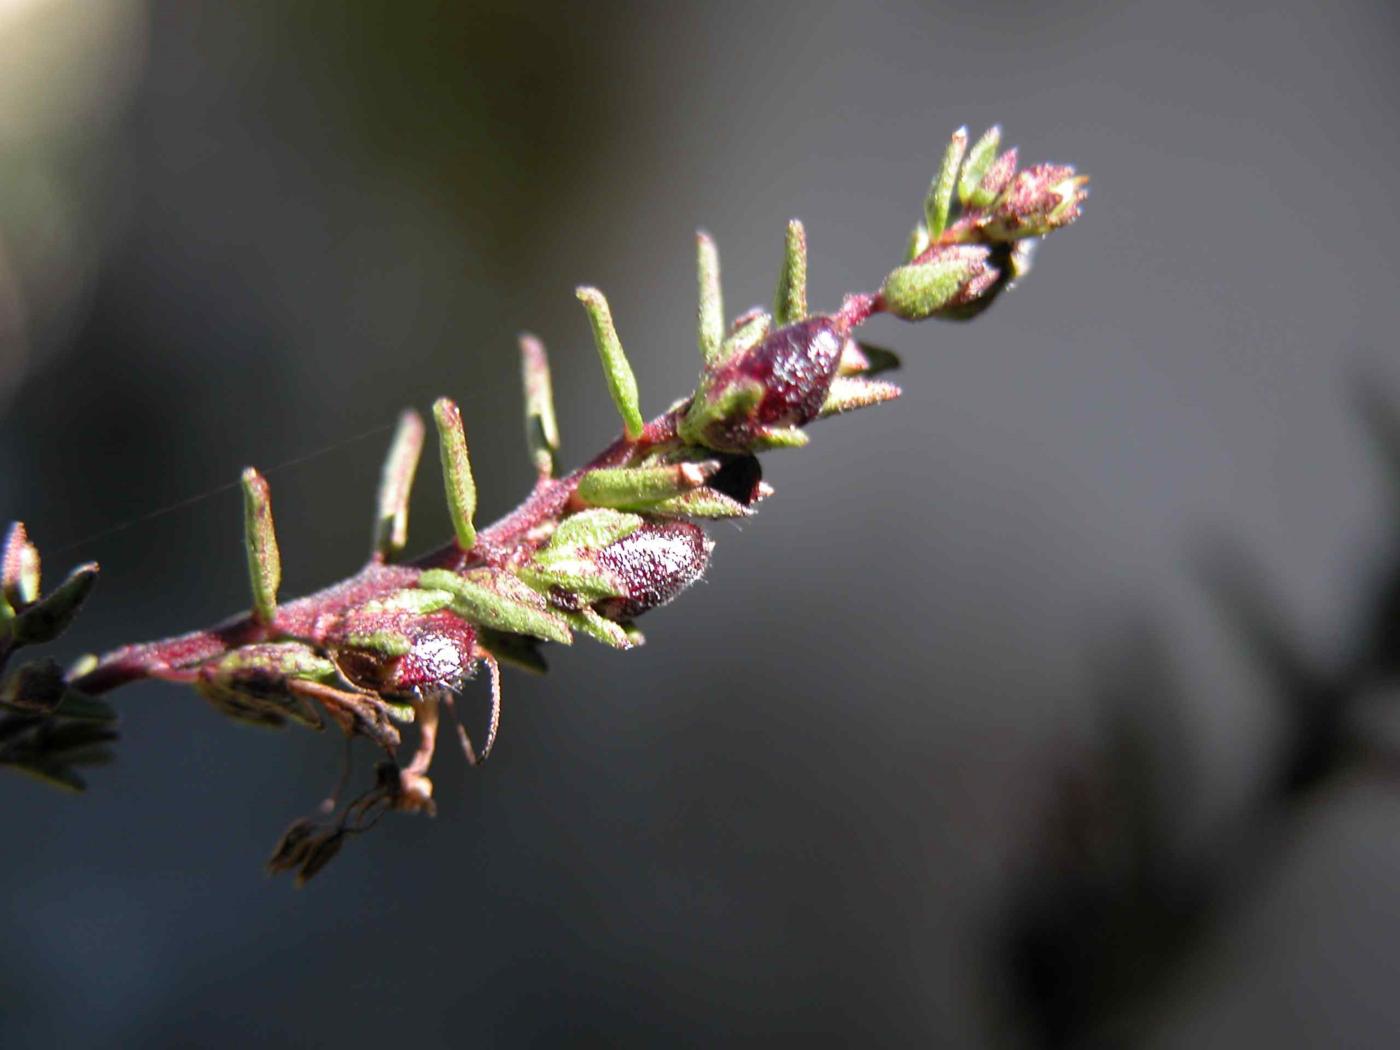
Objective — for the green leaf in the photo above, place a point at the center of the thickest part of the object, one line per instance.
(711, 311)
(994, 180)
(863, 359)
(396, 485)
(849, 393)
(457, 477)
(701, 503)
(633, 488)
(979, 159)
(732, 402)
(790, 302)
(577, 575)
(622, 384)
(260, 539)
(541, 427)
(601, 629)
(592, 529)
(280, 659)
(920, 290)
(419, 601)
(781, 437)
(940, 193)
(385, 643)
(46, 620)
(747, 336)
(918, 243)
(497, 599)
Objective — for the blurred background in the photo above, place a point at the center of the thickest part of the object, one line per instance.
(1045, 707)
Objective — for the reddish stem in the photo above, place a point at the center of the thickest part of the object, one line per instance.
(508, 541)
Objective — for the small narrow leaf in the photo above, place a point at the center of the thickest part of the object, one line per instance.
(865, 359)
(790, 303)
(456, 471)
(47, 619)
(601, 629)
(416, 601)
(36, 687)
(260, 539)
(711, 311)
(714, 408)
(996, 178)
(80, 706)
(632, 488)
(541, 429)
(979, 159)
(848, 393)
(592, 529)
(622, 384)
(781, 437)
(580, 578)
(747, 336)
(275, 659)
(940, 193)
(384, 642)
(701, 503)
(918, 243)
(395, 486)
(499, 600)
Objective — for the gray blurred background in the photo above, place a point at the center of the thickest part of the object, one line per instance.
(870, 782)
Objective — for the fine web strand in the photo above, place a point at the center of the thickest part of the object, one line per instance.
(208, 494)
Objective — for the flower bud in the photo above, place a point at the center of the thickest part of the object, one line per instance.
(948, 277)
(994, 180)
(778, 384)
(398, 650)
(652, 565)
(1040, 199)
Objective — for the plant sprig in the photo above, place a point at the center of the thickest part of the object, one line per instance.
(588, 552)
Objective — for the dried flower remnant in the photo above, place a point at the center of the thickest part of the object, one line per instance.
(389, 649)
